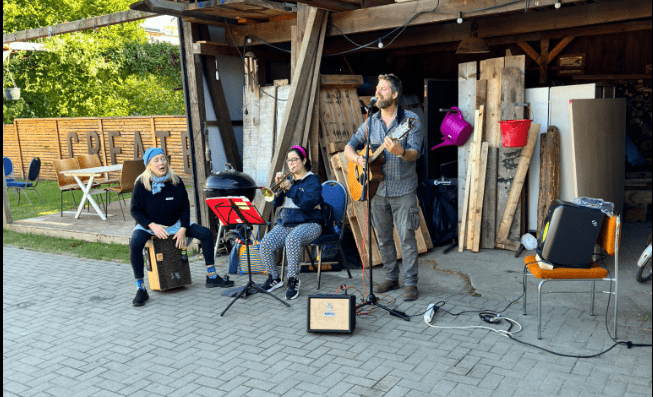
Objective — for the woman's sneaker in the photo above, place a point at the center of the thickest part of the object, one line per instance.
(272, 283)
(141, 297)
(293, 288)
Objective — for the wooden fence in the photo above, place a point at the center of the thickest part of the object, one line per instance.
(115, 139)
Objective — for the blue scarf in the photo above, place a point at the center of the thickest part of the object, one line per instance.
(158, 182)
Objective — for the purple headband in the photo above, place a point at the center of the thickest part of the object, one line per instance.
(301, 149)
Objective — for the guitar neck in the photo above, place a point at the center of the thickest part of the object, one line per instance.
(376, 153)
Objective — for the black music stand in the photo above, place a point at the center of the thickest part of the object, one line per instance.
(240, 212)
(371, 298)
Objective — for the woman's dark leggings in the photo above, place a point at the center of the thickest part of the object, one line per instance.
(140, 237)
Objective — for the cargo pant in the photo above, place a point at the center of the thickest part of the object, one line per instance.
(403, 213)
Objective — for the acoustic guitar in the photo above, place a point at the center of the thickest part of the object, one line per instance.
(356, 178)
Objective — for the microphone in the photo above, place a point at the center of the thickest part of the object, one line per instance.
(372, 103)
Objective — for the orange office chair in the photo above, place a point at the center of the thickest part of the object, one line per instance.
(608, 240)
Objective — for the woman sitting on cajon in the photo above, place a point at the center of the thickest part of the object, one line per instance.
(298, 224)
(160, 206)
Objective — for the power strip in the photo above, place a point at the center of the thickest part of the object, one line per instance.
(430, 312)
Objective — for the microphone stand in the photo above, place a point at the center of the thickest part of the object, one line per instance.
(371, 298)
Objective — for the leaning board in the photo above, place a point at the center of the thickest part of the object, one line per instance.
(598, 132)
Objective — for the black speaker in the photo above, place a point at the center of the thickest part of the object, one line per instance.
(331, 314)
(569, 233)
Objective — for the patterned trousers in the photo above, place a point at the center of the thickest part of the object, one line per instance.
(294, 239)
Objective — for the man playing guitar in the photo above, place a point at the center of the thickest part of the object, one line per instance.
(395, 201)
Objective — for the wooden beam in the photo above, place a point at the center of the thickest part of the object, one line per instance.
(446, 37)
(329, 5)
(549, 173)
(82, 24)
(530, 51)
(6, 210)
(214, 49)
(197, 115)
(305, 63)
(612, 77)
(392, 16)
(544, 55)
(382, 18)
(315, 88)
(477, 215)
(558, 48)
(517, 185)
(221, 110)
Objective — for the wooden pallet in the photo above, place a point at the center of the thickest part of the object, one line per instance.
(357, 216)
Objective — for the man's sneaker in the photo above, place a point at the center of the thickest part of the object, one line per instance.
(141, 297)
(218, 282)
(387, 285)
(293, 288)
(272, 283)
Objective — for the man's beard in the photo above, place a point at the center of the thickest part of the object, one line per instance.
(383, 103)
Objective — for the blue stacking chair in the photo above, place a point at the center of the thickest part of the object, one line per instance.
(335, 194)
(30, 183)
(9, 168)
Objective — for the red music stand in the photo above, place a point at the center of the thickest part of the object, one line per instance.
(240, 212)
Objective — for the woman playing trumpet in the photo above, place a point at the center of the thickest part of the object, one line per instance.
(299, 222)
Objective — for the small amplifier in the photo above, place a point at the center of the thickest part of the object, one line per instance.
(331, 314)
(165, 267)
(569, 233)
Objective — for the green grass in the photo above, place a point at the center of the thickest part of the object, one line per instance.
(99, 251)
(49, 191)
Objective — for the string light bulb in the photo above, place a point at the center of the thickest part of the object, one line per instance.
(460, 18)
(557, 4)
(249, 40)
(380, 44)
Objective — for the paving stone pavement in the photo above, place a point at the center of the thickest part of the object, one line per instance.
(69, 329)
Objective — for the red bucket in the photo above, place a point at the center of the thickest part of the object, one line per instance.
(514, 133)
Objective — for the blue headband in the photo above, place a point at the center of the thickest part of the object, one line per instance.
(151, 152)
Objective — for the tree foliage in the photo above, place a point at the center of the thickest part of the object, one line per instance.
(111, 71)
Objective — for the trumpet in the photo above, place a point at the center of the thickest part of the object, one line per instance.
(270, 194)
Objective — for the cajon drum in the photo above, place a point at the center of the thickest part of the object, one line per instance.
(165, 267)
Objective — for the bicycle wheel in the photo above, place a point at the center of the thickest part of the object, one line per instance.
(645, 270)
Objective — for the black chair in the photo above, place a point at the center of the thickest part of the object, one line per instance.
(30, 183)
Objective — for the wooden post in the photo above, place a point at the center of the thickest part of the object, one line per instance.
(515, 189)
(56, 128)
(152, 128)
(466, 103)
(315, 83)
(549, 173)
(477, 219)
(6, 210)
(102, 143)
(197, 114)
(472, 162)
(20, 151)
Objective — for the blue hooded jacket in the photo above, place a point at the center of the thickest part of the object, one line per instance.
(301, 202)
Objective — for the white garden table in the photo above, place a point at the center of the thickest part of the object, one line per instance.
(91, 173)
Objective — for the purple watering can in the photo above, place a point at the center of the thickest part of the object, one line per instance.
(455, 130)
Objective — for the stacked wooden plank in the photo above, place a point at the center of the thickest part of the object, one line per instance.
(491, 177)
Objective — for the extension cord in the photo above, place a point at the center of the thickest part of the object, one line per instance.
(430, 312)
